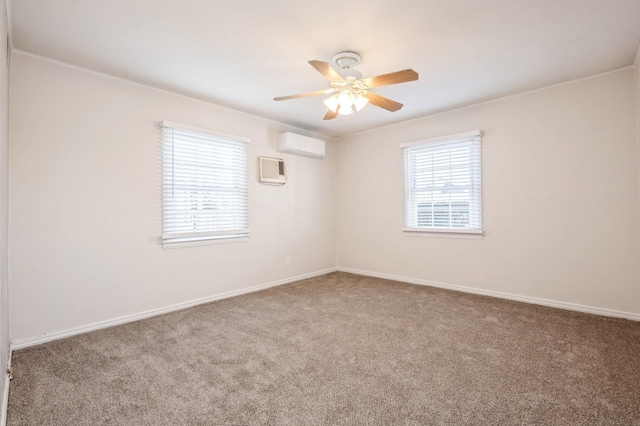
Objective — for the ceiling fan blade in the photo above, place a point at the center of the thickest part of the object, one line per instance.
(382, 102)
(304, 95)
(326, 70)
(330, 115)
(391, 78)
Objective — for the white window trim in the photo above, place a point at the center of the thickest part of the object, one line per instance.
(180, 240)
(449, 138)
(447, 235)
(227, 136)
(444, 232)
(204, 242)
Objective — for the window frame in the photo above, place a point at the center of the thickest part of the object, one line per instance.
(474, 138)
(176, 239)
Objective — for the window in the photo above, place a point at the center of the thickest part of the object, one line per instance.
(443, 184)
(204, 186)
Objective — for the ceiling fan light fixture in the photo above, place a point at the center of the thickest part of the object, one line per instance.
(347, 101)
(346, 111)
(346, 98)
(342, 102)
(332, 102)
(360, 102)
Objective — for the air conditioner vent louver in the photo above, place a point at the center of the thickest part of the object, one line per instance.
(272, 170)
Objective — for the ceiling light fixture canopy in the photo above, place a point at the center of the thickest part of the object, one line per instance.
(346, 60)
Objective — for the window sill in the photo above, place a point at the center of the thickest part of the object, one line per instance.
(206, 241)
(467, 234)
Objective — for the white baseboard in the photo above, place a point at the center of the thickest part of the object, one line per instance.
(32, 341)
(500, 295)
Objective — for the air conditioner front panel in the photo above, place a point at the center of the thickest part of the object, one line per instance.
(272, 170)
(302, 145)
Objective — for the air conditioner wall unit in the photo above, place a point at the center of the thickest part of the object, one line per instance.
(272, 171)
(301, 145)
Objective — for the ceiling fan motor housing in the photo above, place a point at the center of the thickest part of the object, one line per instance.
(346, 59)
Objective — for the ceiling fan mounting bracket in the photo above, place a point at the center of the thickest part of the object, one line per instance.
(345, 60)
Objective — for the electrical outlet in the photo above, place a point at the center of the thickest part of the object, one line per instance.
(287, 261)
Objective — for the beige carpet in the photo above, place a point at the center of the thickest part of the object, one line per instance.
(339, 349)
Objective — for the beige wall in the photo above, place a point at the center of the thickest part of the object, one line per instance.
(85, 203)
(4, 121)
(560, 186)
(637, 74)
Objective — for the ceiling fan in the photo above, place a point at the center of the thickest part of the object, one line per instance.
(351, 90)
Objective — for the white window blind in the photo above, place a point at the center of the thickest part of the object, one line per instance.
(443, 184)
(204, 185)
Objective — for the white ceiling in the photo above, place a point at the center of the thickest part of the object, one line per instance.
(242, 53)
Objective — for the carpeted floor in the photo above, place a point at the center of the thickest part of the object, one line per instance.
(339, 349)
